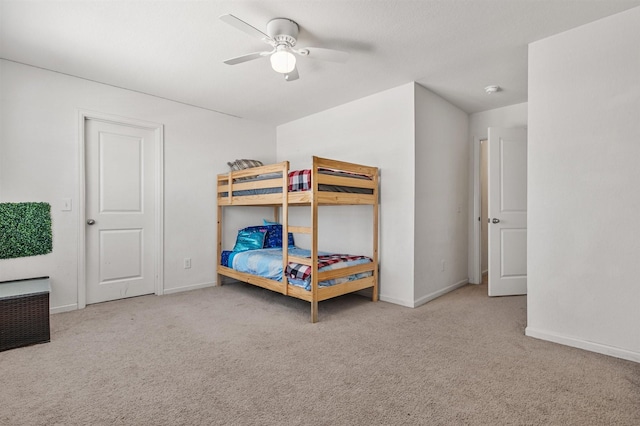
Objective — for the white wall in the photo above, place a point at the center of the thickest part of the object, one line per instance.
(509, 116)
(441, 201)
(479, 123)
(584, 148)
(378, 131)
(419, 142)
(38, 162)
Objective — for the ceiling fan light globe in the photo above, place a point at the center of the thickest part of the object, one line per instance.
(283, 62)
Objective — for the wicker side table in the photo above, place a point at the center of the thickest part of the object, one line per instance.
(24, 312)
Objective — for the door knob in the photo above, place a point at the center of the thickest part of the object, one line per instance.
(90, 222)
(495, 220)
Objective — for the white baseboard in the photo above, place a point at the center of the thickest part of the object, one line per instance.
(436, 294)
(188, 287)
(395, 301)
(583, 344)
(65, 308)
(74, 306)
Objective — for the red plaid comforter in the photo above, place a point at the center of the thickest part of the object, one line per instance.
(303, 272)
(300, 180)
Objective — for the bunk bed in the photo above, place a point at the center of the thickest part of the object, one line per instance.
(327, 183)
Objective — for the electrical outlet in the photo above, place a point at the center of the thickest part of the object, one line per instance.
(187, 262)
(442, 265)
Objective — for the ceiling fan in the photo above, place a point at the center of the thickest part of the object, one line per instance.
(282, 34)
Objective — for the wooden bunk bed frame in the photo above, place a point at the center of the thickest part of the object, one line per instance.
(312, 198)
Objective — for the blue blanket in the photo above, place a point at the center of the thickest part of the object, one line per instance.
(267, 263)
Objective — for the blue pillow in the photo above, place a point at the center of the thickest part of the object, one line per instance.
(249, 240)
(268, 222)
(224, 258)
(274, 235)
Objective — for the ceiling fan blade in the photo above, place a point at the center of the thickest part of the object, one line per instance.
(293, 75)
(326, 54)
(244, 27)
(246, 58)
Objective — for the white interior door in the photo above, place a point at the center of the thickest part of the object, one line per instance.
(120, 211)
(507, 211)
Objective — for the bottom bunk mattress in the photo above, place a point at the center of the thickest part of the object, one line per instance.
(267, 263)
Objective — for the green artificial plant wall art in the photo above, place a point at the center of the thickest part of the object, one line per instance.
(25, 229)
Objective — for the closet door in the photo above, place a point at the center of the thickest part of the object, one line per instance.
(120, 211)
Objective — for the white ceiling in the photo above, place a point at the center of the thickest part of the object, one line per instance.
(175, 49)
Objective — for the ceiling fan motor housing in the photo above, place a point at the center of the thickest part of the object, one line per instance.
(283, 30)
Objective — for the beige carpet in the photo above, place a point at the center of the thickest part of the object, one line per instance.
(240, 355)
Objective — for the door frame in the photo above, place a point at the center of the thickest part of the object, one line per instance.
(158, 249)
(475, 276)
(475, 251)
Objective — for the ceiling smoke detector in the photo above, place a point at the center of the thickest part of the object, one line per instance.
(492, 89)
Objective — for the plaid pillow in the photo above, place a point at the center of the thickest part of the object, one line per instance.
(244, 164)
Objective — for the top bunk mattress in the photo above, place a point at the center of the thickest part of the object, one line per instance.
(300, 180)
